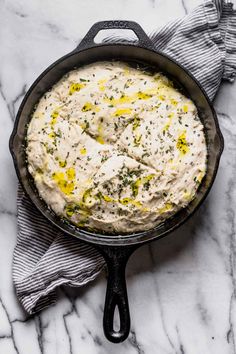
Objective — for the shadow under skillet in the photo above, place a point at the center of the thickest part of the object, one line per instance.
(147, 259)
(156, 254)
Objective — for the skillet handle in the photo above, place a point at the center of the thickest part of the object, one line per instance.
(88, 40)
(116, 295)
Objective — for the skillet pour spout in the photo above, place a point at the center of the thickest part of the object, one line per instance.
(116, 249)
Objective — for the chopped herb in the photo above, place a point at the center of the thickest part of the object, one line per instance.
(83, 80)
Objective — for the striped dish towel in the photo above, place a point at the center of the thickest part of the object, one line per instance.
(205, 43)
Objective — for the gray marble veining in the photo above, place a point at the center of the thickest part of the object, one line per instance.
(182, 289)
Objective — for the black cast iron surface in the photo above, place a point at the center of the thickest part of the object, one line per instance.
(116, 249)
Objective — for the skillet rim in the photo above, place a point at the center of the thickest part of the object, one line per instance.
(117, 239)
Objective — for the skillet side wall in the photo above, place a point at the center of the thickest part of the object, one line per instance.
(124, 53)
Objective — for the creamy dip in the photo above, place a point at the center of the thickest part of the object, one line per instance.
(116, 149)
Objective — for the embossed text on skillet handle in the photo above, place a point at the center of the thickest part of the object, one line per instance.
(88, 40)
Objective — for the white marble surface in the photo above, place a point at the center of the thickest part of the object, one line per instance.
(182, 289)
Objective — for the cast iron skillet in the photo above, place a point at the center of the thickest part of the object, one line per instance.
(116, 249)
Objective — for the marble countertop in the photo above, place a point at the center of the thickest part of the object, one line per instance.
(182, 289)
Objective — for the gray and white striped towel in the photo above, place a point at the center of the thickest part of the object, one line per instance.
(205, 43)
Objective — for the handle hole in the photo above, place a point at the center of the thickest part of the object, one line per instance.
(115, 34)
(116, 320)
